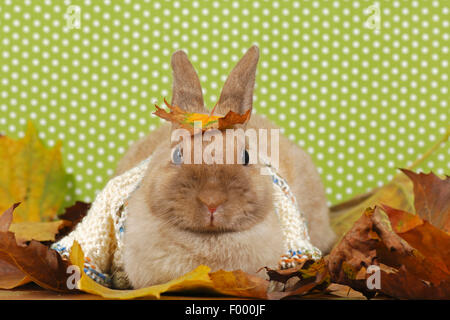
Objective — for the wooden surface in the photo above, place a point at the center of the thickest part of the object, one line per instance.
(33, 292)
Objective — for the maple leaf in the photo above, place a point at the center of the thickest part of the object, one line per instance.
(186, 119)
(34, 175)
(431, 198)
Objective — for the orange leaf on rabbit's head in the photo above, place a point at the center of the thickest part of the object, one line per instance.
(187, 120)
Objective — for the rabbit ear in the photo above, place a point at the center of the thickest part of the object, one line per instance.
(237, 93)
(186, 89)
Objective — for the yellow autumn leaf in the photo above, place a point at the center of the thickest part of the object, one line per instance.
(200, 279)
(39, 231)
(398, 193)
(195, 279)
(206, 119)
(32, 174)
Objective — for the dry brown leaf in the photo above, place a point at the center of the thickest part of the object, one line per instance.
(400, 220)
(10, 276)
(39, 263)
(357, 249)
(431, 243)
(283, 275)
(298, 281)
(404, 255)
(344, 291)
(74, 214)
(402, 284)
(431, 198)
(7, 217)
(413, 254)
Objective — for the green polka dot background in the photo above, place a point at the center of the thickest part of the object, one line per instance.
(362, 101)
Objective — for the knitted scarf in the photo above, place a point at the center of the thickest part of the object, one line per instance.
(100, 233)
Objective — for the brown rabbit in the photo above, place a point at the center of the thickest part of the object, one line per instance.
(184, 215)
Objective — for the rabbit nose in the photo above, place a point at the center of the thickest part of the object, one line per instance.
(212, 210)
(211, 199)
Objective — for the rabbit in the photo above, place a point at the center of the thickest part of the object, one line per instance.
(219, 215)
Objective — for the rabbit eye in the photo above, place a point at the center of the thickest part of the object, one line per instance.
(245, 158)
(177, 156)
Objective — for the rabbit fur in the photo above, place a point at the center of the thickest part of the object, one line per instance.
(167, 230)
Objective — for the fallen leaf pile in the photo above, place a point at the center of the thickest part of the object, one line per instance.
(412, 254)
(33, 259)
(414, 259)
(400, 231)
(307, 276)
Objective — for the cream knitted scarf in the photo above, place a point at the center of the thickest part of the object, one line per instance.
(100, 233)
